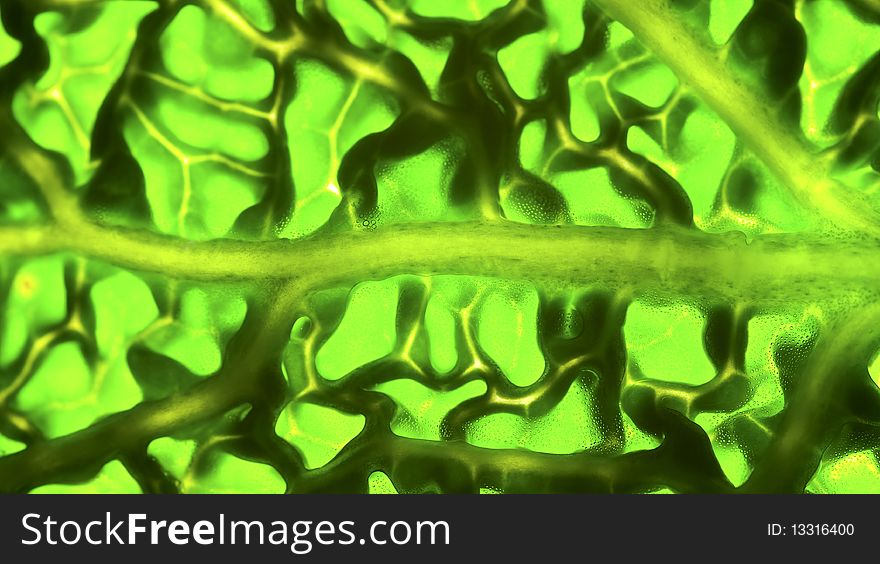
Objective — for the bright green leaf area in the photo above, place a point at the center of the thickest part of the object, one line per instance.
(620, 36)
(429, 57)
(113, 478)
(199, 115)
(840, 43)
(327, 116)
(760, 204)
(665, 343)
(725, 16)
(699, 157)
(66, 394)
(590, 88)
(232, 475)
(565, 23)
(541, 434)
(197, 151)
(531, 147)
(36, 301)
(417, 188)
(124, 306)
(730, 456)
(59, 111)
(854, 473)
(257, 12)
(583, 114)
(197, 336)
(650, 83)
(503, 313)
(9, 446)
(766, 334)
(363, 25)
(380, 483)
(440, 322)
(874, 370)
(625, 68)
(420, 410)
(593, 200)
(634, 438)
(534, 203)
(196, 125)
(174, 455)
(451, 312)
(661, 491)
(216, 190)
(468, 11)
(508, 332)
(367, 331)
(702, 156)
(523, 62)
(206, 52)
(589, 194)
(318, 432)
(9, 47)
(223, 473)
(733, 462)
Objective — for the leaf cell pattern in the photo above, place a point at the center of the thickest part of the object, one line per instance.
(411, 246)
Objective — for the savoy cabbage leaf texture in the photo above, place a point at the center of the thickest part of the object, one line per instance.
(387, 246)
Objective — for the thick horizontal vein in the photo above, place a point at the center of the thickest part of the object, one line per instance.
(662, 260)
(546, 473)
(700, 66)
